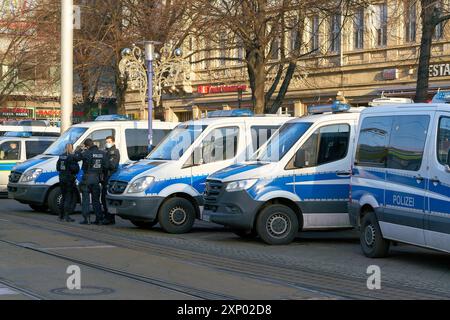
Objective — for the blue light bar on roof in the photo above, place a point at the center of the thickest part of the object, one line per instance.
(231, 113)
(112, 117)
(442, 97)
(18, 134)
(337, 106)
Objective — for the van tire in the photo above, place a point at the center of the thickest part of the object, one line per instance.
(144, 224)
(277, 225)
(372, 242)
(39, 208)
(177, 215)
(54, 201)
(245, 234)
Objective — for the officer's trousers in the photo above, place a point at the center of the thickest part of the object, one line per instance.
(90, 189)
(69, 194)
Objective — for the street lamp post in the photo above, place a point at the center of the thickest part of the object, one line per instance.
(66, 64)
(149, 58)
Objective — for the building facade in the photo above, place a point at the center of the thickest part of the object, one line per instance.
(375, 54)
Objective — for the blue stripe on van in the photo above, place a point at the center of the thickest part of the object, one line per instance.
(7, 166)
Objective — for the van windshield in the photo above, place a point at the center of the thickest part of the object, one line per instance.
(177, 142)
(281, 142)
(70, 136)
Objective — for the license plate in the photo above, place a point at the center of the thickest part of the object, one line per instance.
(112, 210)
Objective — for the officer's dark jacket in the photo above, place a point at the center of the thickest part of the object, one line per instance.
(112, 161)
(67, 165)
(94, 160)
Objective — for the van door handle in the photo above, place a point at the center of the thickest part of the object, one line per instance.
(344, 173)
(419, 178)
(435, 180)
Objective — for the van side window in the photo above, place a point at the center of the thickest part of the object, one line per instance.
(260, 135)
(328, 144)
(407, 143)
(221, 144)
(137, 142)
(373, 141)
(10, 150)
(100, 136)
(443, 151)
(35, 148)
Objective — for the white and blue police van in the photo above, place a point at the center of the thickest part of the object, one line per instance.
(36, 182)
(400, 185)
(16, 148)
(299, 180)
(167, 186)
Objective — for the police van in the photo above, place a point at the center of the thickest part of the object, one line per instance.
(298, 181)
(36, 182)
(167, 186)
(400, 185)
(35, 131)
(18, 147)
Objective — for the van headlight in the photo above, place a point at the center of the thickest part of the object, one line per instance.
(241, 185)
(140, 185)
(31, 175)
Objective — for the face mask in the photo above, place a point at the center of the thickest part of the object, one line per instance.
(109, 145)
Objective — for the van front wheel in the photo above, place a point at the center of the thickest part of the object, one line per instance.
(55, 201)
(372, 242)
(177, 216)
(277, 225)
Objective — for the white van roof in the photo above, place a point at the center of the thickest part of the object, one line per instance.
(232, 120)
(419, 107)
(30, 129)
(128, 124)
(352, 114)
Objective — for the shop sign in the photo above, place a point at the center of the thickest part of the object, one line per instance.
(16, 112)
(54, 113)
(221, 89)
(440, 70)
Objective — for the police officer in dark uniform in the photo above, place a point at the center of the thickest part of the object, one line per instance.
(113, 161)
(68, 168)
(94, 164)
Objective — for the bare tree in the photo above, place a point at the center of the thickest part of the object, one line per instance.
(262, 27)
(26, 57)
(433, 13)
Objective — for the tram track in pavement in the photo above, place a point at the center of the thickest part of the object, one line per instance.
(185, 290)
(325, 284)
(21, 290)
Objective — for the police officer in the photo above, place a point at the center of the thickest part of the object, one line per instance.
(68, 168)
(112, 165)
(94, 164)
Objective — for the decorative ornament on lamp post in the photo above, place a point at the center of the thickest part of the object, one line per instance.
(151, 72)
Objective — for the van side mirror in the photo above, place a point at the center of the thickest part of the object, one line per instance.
(197, 156)
(300, 159)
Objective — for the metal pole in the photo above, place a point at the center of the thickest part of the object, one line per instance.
(66, 64)
(150, 103)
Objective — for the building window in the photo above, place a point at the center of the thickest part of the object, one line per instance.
(381, 19)
(335, 33)
(359, 29)
(240, 49)
(294, 39)
(411, 21)
(223, 50)
(439, 30)
(275, 49)
(315, 39)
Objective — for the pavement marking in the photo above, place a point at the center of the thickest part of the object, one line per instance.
(4, 220)
(78, 248)
(8, 292)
